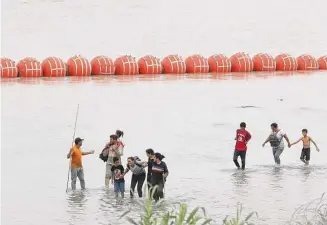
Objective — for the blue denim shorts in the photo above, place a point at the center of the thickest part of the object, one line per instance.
(119, 186)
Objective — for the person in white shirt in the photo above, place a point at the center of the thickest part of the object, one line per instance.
(276, 141)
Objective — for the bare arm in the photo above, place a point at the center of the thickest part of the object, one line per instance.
(266, 141)
(288, 140)
(69, 153)
(294, 143)
(314, 144)
(88, 153)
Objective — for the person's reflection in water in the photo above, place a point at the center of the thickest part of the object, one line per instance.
(111, 208)
(240, 180)
(305, 172)
(277, 177)
(76, 203)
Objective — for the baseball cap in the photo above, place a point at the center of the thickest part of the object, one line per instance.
(78, 140)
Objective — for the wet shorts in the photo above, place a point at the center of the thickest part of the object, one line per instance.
(305, 154)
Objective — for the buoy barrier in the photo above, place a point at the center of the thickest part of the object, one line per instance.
(126, 65)
(171, 64)
(196, 64)
(103, 65)
(78, 66)
(241, 62)
(285, 62)
(219, 64)
(8, 68)
(54, 67)
(307, 62)
(149, 65)
(322, 61)
(29, 67)
(264, 62)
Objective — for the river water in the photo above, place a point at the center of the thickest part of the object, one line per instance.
(190, 119)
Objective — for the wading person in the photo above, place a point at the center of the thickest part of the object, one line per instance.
(136, 166)
(118, 176)
(242, 138)
(276, 142)
(158, 176)
(110, 151)
(76, 166)
(306, 140)
(150, 155)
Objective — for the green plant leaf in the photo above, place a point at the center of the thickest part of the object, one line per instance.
(250, 216)
(129, 219)
(192, 214)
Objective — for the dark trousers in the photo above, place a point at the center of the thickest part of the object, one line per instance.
(148, 180)
(158, 194)
(242, 154)
(139, 180)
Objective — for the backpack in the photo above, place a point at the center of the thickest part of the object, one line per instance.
(274, 140)
(101, 156)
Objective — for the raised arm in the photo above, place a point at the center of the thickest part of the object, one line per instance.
(314, 144)
(294, 143)
(88, 153)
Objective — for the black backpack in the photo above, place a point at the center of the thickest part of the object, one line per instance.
(104, 158)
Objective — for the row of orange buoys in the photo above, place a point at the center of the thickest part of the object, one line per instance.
(172, 64)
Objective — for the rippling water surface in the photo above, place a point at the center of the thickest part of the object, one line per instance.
(191, 120)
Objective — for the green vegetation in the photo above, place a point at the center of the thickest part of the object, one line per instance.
(313, 213)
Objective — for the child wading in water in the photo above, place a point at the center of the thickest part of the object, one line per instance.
(305, 154)
(118, 173)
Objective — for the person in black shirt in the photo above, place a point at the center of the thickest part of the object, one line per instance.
(150, 155)
(159, 174)
(118, 174)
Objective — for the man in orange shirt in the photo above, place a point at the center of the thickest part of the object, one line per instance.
(76, 166)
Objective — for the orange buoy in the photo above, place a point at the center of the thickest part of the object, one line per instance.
(196, 64)
(241, 62)
(78, 66)
(322, 61)
(103, 65)
(264, 62)
(307, 62)
(126, 65)
(29, 67)
(54, 67)
(219, 63)
(173, 64)
(285, 62)
(150, 65)
(8, 68)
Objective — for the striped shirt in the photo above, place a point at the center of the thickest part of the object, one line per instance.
(157, 171)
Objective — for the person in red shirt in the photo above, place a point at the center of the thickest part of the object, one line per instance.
(242, 138)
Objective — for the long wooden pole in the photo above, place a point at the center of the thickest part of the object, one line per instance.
(70, 158)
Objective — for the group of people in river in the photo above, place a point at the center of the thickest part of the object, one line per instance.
(157, 169)
(276, 140)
